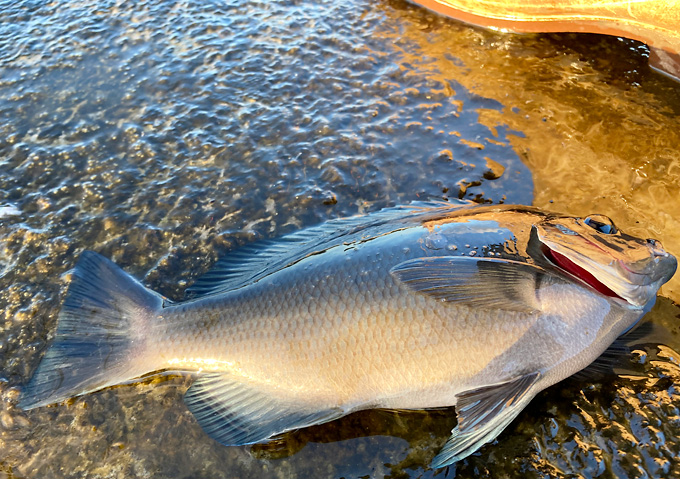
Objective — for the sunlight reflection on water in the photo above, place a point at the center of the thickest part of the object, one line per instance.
(162, 135)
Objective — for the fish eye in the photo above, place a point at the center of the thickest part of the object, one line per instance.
(601, 223)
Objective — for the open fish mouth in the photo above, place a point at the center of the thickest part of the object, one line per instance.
(582, 274)
(632, 282)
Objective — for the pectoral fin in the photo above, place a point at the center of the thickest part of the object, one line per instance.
(483, 283)
(234, 413)
(483, 413)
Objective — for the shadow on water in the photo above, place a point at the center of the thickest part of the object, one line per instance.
(425, 432)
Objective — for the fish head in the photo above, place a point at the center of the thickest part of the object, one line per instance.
(592, 250)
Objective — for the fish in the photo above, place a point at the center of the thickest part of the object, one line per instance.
(426, 305)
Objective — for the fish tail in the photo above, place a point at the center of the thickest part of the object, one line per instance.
(101, 334)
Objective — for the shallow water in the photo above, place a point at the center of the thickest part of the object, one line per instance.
(165, 134)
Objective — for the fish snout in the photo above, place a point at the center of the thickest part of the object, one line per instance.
(638, 281)
(656, 248)
(663, 264)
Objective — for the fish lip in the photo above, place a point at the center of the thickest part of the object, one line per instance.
(644, 279)
(645, 275)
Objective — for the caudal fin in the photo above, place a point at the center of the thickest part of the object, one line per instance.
(100, 334)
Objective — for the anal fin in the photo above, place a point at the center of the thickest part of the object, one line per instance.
(483, 413)
(236, 413)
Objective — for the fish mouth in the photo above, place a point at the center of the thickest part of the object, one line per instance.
(623, 268)
(568, 266)
(630, 284)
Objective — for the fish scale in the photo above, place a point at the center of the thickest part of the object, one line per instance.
(362, 336)
(354, 353)
(428, 305)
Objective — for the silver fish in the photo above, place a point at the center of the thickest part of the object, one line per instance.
(423, 306)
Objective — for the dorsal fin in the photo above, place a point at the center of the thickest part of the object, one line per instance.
(253, 262)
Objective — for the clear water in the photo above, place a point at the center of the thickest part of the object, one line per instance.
(164, 134)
